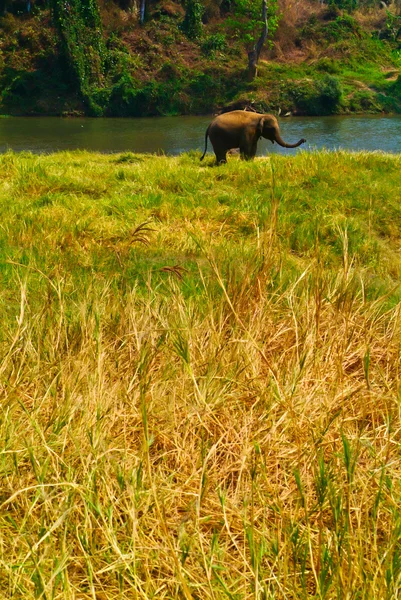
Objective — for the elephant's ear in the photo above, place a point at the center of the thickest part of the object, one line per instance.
(259, 127)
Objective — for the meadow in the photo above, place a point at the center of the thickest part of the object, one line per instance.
(200, 377)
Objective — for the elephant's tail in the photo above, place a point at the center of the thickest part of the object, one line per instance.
(206, 134)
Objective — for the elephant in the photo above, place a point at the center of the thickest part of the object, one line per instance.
(242, 129)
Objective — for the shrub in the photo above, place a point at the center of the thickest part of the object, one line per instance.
(393, 26)
(22, 91)
(341, 28)
(80, 29)
(395, 89)
(327, 65)
(216, 42)
(363, 101)
(169, 71)
(320, 97)
(123, 97)
(192, 24)
(349, 5)
(330, 92)
(389, 104)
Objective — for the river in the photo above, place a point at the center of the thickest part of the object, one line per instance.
(173, 135)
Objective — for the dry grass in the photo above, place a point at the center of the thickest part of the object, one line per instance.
(231, 430)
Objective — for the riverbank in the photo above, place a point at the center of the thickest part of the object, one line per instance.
(319, 60)
(201, 376)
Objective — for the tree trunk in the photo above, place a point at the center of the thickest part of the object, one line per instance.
(253, 55)
(142, 12)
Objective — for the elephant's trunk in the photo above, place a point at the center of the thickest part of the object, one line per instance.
(284, 144)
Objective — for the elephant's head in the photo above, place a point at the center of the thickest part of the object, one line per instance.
(269, 129)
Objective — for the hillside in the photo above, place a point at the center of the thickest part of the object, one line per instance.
(98, 59)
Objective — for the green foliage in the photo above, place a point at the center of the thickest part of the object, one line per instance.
(341, 27)
(330, 92)
(351, 5)
(21, 91)
(328, 65)
(77, 69)
(79, 25)
(395, 88)
(176, 91)
(363, 101)
(393, 26)
(216, 42)
(348, 5)
(317, 97)
(192, 24)
(245, 22)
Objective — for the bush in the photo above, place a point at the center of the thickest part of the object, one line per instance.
(79, 27)
(215, 42)
(327, 65)
(393, 26)
(395, 88)
(320, 97)
(363, 101)
(123, 97)
(349, 5)
(22, 92)
(192, 24)
(389, 104)
(330, 91)
(341, 28)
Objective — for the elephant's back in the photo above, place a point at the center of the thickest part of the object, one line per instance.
(231, 123)
(233, 118)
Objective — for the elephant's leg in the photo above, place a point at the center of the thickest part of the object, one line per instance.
(244, 152)
(248, 146)
(221, 159)
(220, 150)
(248, 153)
(254, 146)
(221, 156)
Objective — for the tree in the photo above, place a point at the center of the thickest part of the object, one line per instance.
(81, 34)
(251, 22)
(254, 54)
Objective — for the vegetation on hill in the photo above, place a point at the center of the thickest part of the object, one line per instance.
(127, 58)
(200, 377)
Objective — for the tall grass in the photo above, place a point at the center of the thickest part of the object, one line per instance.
(200, 374)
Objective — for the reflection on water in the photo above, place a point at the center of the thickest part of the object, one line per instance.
(173, 135)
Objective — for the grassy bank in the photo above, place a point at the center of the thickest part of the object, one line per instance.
(200, 376)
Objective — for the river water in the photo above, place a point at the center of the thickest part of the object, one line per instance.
(173, 135)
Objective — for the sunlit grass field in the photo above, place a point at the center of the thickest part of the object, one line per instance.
(200, 377)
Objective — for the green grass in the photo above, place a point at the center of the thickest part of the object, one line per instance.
(200, 375)
(363, 84)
